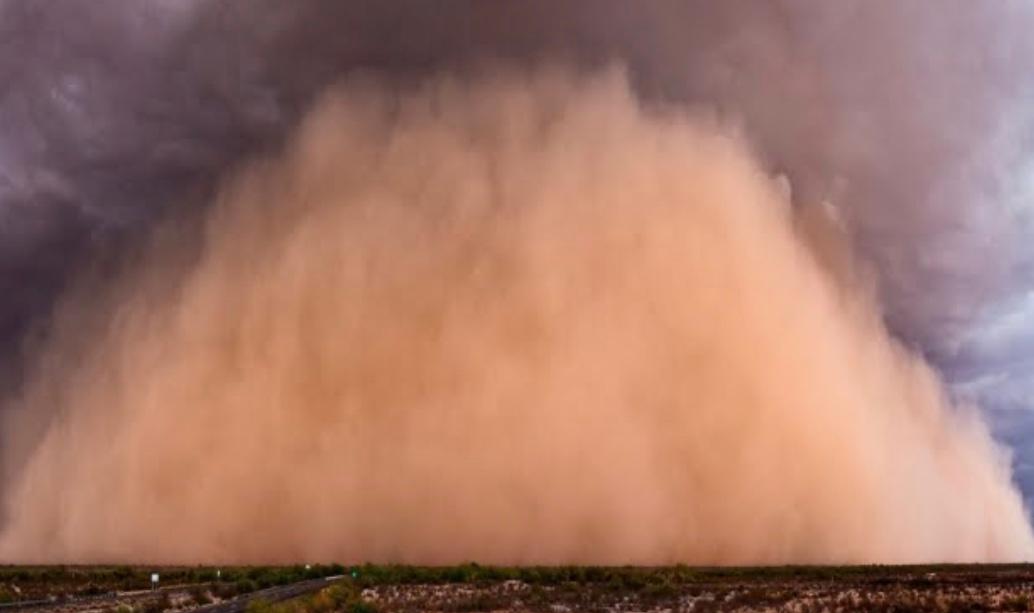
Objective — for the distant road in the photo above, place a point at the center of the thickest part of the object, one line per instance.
(273, 594)
(235, 605)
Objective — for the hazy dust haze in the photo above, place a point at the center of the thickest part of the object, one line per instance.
(512, 318)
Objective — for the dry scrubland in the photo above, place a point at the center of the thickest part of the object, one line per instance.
(466, 588)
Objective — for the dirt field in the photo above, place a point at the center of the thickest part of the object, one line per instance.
(470, 588)
(801, 590)
(789, 594)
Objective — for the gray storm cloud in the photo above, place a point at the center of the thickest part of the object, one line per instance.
(512, 318)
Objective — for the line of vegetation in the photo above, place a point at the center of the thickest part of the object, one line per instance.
(370, 575)
(21, 583)
(25, 583)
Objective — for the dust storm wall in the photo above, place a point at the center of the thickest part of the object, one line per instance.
(514, 318)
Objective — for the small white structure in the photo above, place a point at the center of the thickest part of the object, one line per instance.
(154, 581)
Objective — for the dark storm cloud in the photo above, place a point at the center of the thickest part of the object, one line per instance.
(911, 118)
(107, 116)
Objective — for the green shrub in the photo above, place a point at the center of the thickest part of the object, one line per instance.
(259, 605)
(360, 606)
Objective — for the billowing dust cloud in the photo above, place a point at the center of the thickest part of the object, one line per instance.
(515, 319)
